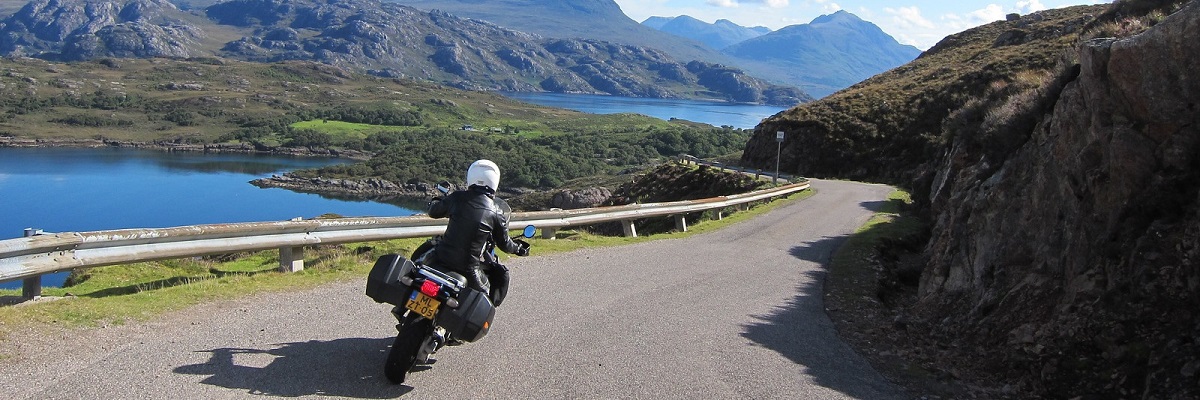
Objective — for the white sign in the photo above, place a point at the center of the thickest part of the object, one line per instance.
(779, 136)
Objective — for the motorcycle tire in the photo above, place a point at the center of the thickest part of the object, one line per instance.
(403, 355)
(421, 250)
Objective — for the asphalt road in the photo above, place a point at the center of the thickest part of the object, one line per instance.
(731, 314)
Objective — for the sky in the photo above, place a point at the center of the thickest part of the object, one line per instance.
(921, 23)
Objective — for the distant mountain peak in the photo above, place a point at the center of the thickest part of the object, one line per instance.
(717, 35)
(831, 53)
(841, 16)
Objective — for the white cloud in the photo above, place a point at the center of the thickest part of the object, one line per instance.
(909, 17)
(738, 3)
(993, 12)
(1025, 7)
(832, 7)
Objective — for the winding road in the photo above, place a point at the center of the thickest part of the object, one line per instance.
(730, 314)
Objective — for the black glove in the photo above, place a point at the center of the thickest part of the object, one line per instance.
(522, 247)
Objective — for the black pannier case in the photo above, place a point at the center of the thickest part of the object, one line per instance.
(472, 319)
(383, 283)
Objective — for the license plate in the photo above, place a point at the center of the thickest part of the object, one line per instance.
(422, 304)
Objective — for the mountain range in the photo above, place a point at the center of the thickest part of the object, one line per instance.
(718, 35)
(829, 54)
(591, 19)
(385, 39)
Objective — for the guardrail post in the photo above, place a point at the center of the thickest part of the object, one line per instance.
(680, 223)
(548, 233)
(757, 173)
(291, 259)
(31, 288)
(627, 228)
(718, 214)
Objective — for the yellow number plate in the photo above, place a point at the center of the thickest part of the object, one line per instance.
(422, 304)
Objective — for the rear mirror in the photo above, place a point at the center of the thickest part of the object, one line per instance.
(530, 230)
(443, 187)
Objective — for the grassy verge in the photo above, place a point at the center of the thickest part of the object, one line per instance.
(854, 267)
(121, 294)
(872, 279)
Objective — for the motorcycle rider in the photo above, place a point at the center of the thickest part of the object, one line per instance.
(474, 216)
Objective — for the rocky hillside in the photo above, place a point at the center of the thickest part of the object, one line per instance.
(80, 30)
(801, 55)
(588, 19)
(383, 38)
(1058, 158)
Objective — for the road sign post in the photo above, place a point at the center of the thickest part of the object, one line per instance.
(778, 149)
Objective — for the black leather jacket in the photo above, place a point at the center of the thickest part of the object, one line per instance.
(474, 216)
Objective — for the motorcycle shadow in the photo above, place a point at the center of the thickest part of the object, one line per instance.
(351, 367)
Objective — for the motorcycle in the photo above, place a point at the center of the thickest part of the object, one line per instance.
(434, 307)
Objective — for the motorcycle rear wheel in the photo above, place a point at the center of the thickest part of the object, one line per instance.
(403, 355)
(421, 250)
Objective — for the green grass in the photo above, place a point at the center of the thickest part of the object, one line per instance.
(888, 223)
(235, 95)
(853, 287)
(339, 129)
(120, 294)
(853, 269)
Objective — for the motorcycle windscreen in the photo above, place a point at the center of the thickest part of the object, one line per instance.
(472, 319)
(505, 209)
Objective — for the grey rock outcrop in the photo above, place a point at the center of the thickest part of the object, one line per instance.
(582, 198)
(79, 30)
(370, 188)
(1083, 246)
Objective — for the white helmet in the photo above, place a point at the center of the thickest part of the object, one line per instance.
(484, 173)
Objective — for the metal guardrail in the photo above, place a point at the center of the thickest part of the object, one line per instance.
(758, 173)
(30, 257)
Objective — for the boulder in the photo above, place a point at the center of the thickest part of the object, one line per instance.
(582, 198)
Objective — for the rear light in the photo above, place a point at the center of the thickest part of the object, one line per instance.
(430, 288)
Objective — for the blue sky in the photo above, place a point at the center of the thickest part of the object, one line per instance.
(917, 22)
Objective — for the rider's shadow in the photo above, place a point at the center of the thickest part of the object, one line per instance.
(351, 367)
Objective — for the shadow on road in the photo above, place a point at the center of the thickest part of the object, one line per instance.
(801, 331)
(877, 206)
(350, 367)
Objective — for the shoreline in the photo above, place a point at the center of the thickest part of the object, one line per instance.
(240, 148)
(369, 189)
(365, 189)
(372, 189)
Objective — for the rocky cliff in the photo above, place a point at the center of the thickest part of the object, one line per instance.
(1062, 192)
(1076, 257)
